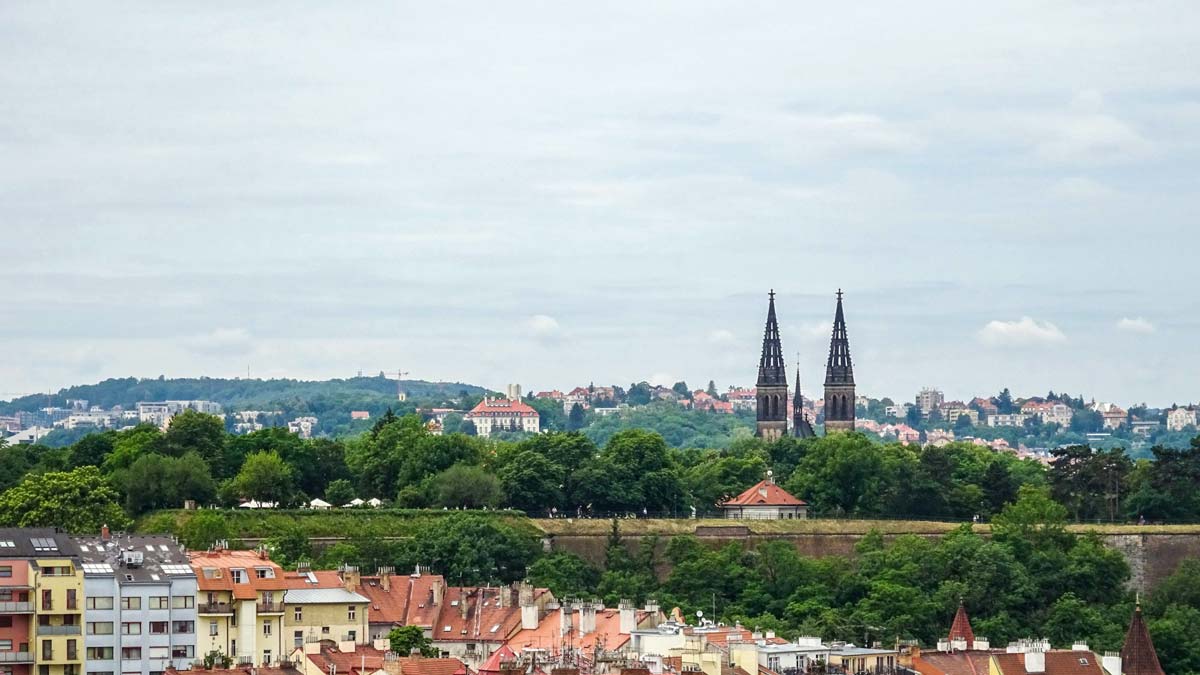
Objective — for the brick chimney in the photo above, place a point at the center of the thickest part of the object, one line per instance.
(351, 578)
(105, 535)
(436, 590)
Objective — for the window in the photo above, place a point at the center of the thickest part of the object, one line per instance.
(183, 652)
(351, 612)
(158, 627)
(72, 650)
(159, 602)
(47, 600)
(99, 653)
(266, 656)
(5, 645)
(6, 572)
(266, 628)
(131, 653)
(212, 627)
(6, 621)
(100, 628)
(352, 636)
(131, 603)
(264, 572)
(99, 602)
(99, 672)
(7, 543)
(72, 599)
(298, 639)
(183, 627)
(159, 652)
(298, 614)
(238, 575)
(41, 544)
(131, 628)
(47, 650)
(183, 601)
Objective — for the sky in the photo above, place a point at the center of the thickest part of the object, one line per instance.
(556, 193)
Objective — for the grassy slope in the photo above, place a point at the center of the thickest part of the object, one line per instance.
(399, 523)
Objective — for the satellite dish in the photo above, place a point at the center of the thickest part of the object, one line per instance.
(770, 472)
(699, 614)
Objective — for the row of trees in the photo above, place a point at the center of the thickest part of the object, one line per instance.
(632, 471)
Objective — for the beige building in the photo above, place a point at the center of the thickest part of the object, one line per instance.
(1180, 419)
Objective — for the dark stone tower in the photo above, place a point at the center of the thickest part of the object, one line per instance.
(839, 377)
(800, 426)
(772, 382)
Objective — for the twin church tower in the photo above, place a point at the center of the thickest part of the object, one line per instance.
(773, 386)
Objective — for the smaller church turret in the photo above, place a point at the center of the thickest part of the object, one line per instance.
(801, 428)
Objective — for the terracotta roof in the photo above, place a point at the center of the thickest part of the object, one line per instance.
(952, 663)
(1058, 662)
(502, 406)
(213, 572)
(415, 665)
(1138, 656)
(477, 614)
(961, 628)
(764, 493)
(237, 670)
(365, 659)
(492, 665)
(547, 634)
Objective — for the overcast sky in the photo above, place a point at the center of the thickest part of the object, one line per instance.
(555, 193)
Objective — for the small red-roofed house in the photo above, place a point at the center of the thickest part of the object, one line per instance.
(504, 414)
(765, 501)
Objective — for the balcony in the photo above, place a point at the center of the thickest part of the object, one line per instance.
(270, 608)
(13, 607)
(58, 630)
(16, 657)
(214, 608)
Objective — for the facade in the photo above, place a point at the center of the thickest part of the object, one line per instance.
(771, 390)
(765, 501)
(239, 605)
(839, 377)
(1180, 419)
(140, 594)
(41, 603)
(504, 414)
(930, 399)
(323, 605)
(1009, 420)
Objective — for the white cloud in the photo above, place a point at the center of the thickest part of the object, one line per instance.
(221, 342)
(721, 337)
(543, 328)
(1135, 325)
(1023, 332)
(662, 379)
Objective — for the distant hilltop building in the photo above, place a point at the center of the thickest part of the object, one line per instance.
(771, 390)
(504, 414)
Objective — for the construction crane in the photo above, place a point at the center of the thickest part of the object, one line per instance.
(400, 394)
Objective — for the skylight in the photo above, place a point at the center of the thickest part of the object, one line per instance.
(7, 543)
(177, 569)
(43, 544)
(97, 568)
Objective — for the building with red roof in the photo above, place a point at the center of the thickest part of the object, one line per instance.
(765, 501)
(504, 414)
(1138, 656)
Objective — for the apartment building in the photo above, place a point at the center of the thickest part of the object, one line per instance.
(253, 611)
(41, 603)
(140, 599)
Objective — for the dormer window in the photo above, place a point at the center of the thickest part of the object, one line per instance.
(238, 575)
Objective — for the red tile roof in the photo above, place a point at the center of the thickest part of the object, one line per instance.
(477, 614)
(502, 406)
(213, 572)
(365, 660)
(1138, 656)
(1058, 662)
(961, 628)
(547, 634)
(764, 493)
(952, 663)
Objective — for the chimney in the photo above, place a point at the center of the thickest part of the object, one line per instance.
(981, 644)
(529, 611)
(464, 599)
(587, 618)
(436, 590)
(959, 644)
(391, 664)
(628, 616)
(1080, 646)
(350, 577)
(564, 619)
(105, 535)
(1111, 662)
(524, 593)
(1035, 657)
(385, 579)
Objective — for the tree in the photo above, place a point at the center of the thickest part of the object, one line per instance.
(681, 389)
(78, 501)
(468, 428)
(576, 420)
(474, 549)
(290, 546)
(565, 574)
(712, 389)
(203, 529)
(265, 478)
(91, 450)
(192, 431)
(531, 483)
(1004, 402)
(405, 640)
(158, 482)
(339, 492)
(467, 486)
(912, 417)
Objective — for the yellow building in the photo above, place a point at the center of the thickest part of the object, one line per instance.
(41, 587)
(250, 610)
